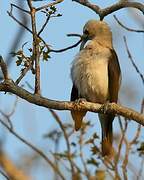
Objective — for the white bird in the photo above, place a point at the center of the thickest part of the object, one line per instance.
(96, 76)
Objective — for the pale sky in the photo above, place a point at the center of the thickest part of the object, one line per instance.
(32, 121)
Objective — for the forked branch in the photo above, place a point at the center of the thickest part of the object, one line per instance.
(108, 10)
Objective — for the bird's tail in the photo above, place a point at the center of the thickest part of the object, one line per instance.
(107, 134)
(78, 117)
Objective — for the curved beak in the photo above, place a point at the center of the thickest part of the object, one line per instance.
(84, 40)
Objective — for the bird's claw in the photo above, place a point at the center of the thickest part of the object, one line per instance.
(105, 107)
(80, 100)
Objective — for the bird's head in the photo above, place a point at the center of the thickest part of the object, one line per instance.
(95, 29)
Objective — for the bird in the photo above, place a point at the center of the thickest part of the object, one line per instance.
(96, 77)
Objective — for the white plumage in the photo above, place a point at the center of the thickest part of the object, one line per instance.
(89, 72)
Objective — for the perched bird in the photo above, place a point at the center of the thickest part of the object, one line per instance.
(96, 76)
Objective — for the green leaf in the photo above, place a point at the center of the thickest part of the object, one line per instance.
(53, 8)
(46, 55)
(58, 15)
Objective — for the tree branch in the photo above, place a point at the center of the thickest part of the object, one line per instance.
(58, 120)
(13, 172)
(127, 28)
(4, 68)
(108, 10)
(9, 86)
(36, 53)
(49, 5)
(132, 61)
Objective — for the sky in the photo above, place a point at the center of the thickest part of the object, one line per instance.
(32, 121)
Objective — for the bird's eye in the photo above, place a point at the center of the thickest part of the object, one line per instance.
(86, 32)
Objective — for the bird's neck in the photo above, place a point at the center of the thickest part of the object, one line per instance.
(105, 41)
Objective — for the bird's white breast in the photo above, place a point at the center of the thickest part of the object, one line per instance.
(89, 73)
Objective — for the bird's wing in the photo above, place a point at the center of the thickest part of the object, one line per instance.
(74, 93)
(76, 115)
(114, 74)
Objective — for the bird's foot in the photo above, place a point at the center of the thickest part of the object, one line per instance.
(80, 100)
(105, 107)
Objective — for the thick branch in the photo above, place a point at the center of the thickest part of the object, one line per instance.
(9, 86)
(108, 10)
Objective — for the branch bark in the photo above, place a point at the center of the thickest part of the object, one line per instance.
(9, 86)
(36, 54)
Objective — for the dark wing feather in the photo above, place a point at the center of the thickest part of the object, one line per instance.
(76, 115)
(74, 93)
(114, 74)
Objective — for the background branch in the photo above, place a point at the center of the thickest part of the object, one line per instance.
(55, 168)
(12, 171)
(132, 61)
(127, 28)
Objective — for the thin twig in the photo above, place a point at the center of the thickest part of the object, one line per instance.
(49, 49)
(23, 10)
(49, 5)
(73, 34)
(127, 28)
(19, 35)
(7, 118)
(134, 140)
(24, 26)
(29, 85)
(138, 131)
(19, 22)
(44, 25)
(56, 117)
(125, 161)
(4, 175)
(120, 143)
(23, 73)
(65, 49)
(86, 172)
(13, 107)
(132, 61)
